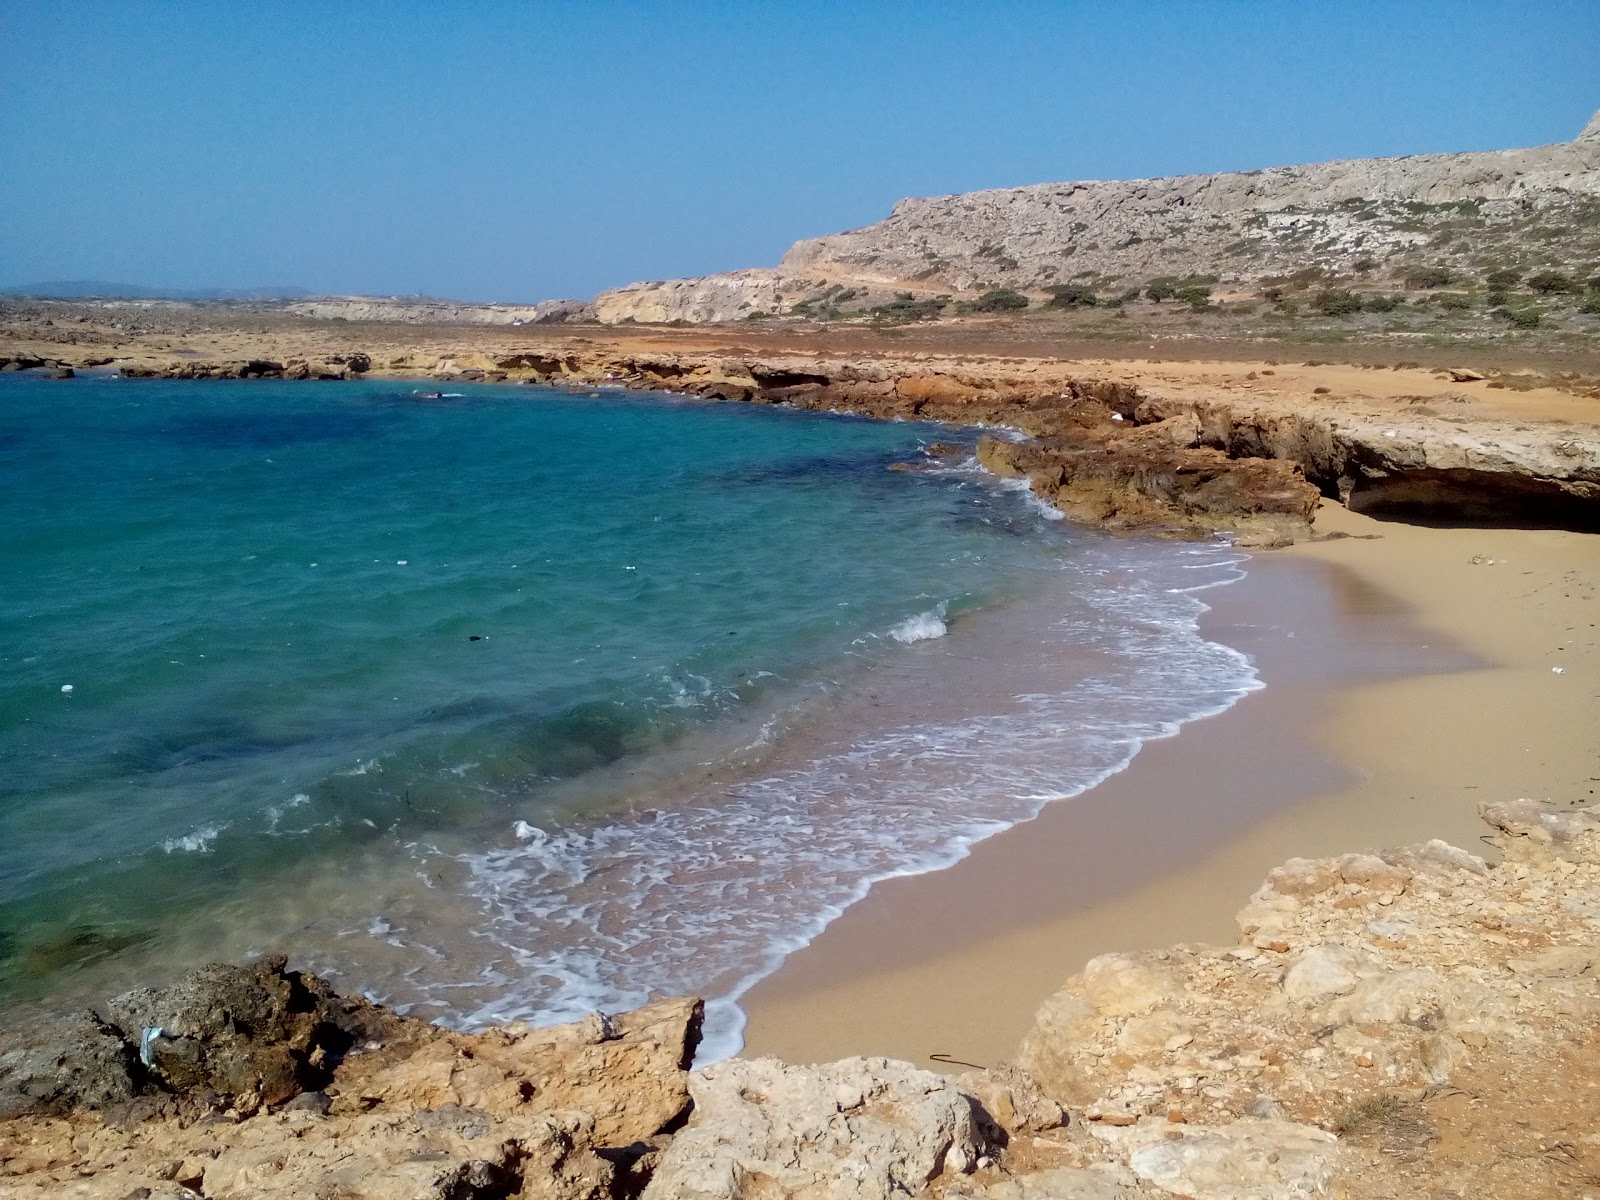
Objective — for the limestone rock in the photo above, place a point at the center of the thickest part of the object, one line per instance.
(863, 1127)
(1322, 972)
(1529, 828)
(629, 1073)
(1122, 984)
(1247, 1160)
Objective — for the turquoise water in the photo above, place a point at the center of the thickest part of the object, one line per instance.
(281, 661)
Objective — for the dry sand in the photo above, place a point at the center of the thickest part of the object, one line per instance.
(1411, 674)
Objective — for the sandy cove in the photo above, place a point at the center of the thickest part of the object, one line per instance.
(1446, 668)
(1411, 674)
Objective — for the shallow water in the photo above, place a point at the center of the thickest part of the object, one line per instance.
(521, 703)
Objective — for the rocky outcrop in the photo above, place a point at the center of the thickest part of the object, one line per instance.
(713, 298)
(262, 1082)
(1364, 989)
(1532, 208)
(867, 1128)
(1409, 466)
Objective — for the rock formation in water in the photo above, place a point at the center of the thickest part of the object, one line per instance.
(1373, 219)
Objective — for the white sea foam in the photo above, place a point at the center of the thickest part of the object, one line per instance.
(923, 627)
(197, 841)
(709, 895)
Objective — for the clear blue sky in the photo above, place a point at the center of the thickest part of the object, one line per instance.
(517, 151)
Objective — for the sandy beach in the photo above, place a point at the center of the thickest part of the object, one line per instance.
(1411, 673)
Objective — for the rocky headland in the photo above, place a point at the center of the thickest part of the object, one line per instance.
(1359, 227)
(1420, 1021)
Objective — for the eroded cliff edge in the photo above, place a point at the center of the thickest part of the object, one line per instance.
(1396, 1023)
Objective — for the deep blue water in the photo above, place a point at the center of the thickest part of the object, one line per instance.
(511, 663)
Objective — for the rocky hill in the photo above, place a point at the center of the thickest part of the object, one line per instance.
(1415, 221)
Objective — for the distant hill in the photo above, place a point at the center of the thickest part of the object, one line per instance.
(1376, 223)
(93, 289)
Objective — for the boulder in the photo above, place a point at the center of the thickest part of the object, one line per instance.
(251, 1035)
(860, 1128)
(1249, 1159)
(1322, 972)
(60, 1065)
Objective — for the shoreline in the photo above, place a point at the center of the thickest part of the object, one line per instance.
(1340, 754)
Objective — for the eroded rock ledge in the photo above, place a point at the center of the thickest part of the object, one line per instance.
(1415, 1022)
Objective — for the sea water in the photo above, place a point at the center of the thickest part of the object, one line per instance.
(515, 703)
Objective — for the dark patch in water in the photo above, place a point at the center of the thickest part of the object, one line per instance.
(242, 431)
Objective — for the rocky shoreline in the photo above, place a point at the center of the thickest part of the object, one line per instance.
(1107, 447)
(1387, 1024)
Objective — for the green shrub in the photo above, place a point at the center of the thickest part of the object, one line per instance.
(1591, 304)
(1363, 266)
(1193, 290)
(1549, 283)
(1427, 278)
(906, 307)
(1132, 294)
(1496, 298)
(1332, 303)
(1001, 299)
(1453, 301)
(1503, 279)
(1594, 284)
(1072, 295)
(1381, 304)
(1523, 318)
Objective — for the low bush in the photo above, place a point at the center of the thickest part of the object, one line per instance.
(1453, 301)
(1334, 303)
(1591, 304)
(906, 307)
(1550, 283)
(1523, 318)
(1381, 304)
(1427, 278)
(1073, 295)
(1503, 278)
(1001, 299)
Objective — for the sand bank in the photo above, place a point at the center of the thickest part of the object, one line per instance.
(1411, 672)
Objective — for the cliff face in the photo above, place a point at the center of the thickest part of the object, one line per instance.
(1527, 209)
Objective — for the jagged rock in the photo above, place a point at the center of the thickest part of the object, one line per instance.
(65, 1064)
(258, 1034)
(629, 1073)
(1009, 1095)
(1247, 1160)
(870, 1128)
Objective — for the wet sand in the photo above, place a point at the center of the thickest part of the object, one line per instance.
(1406, 683)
